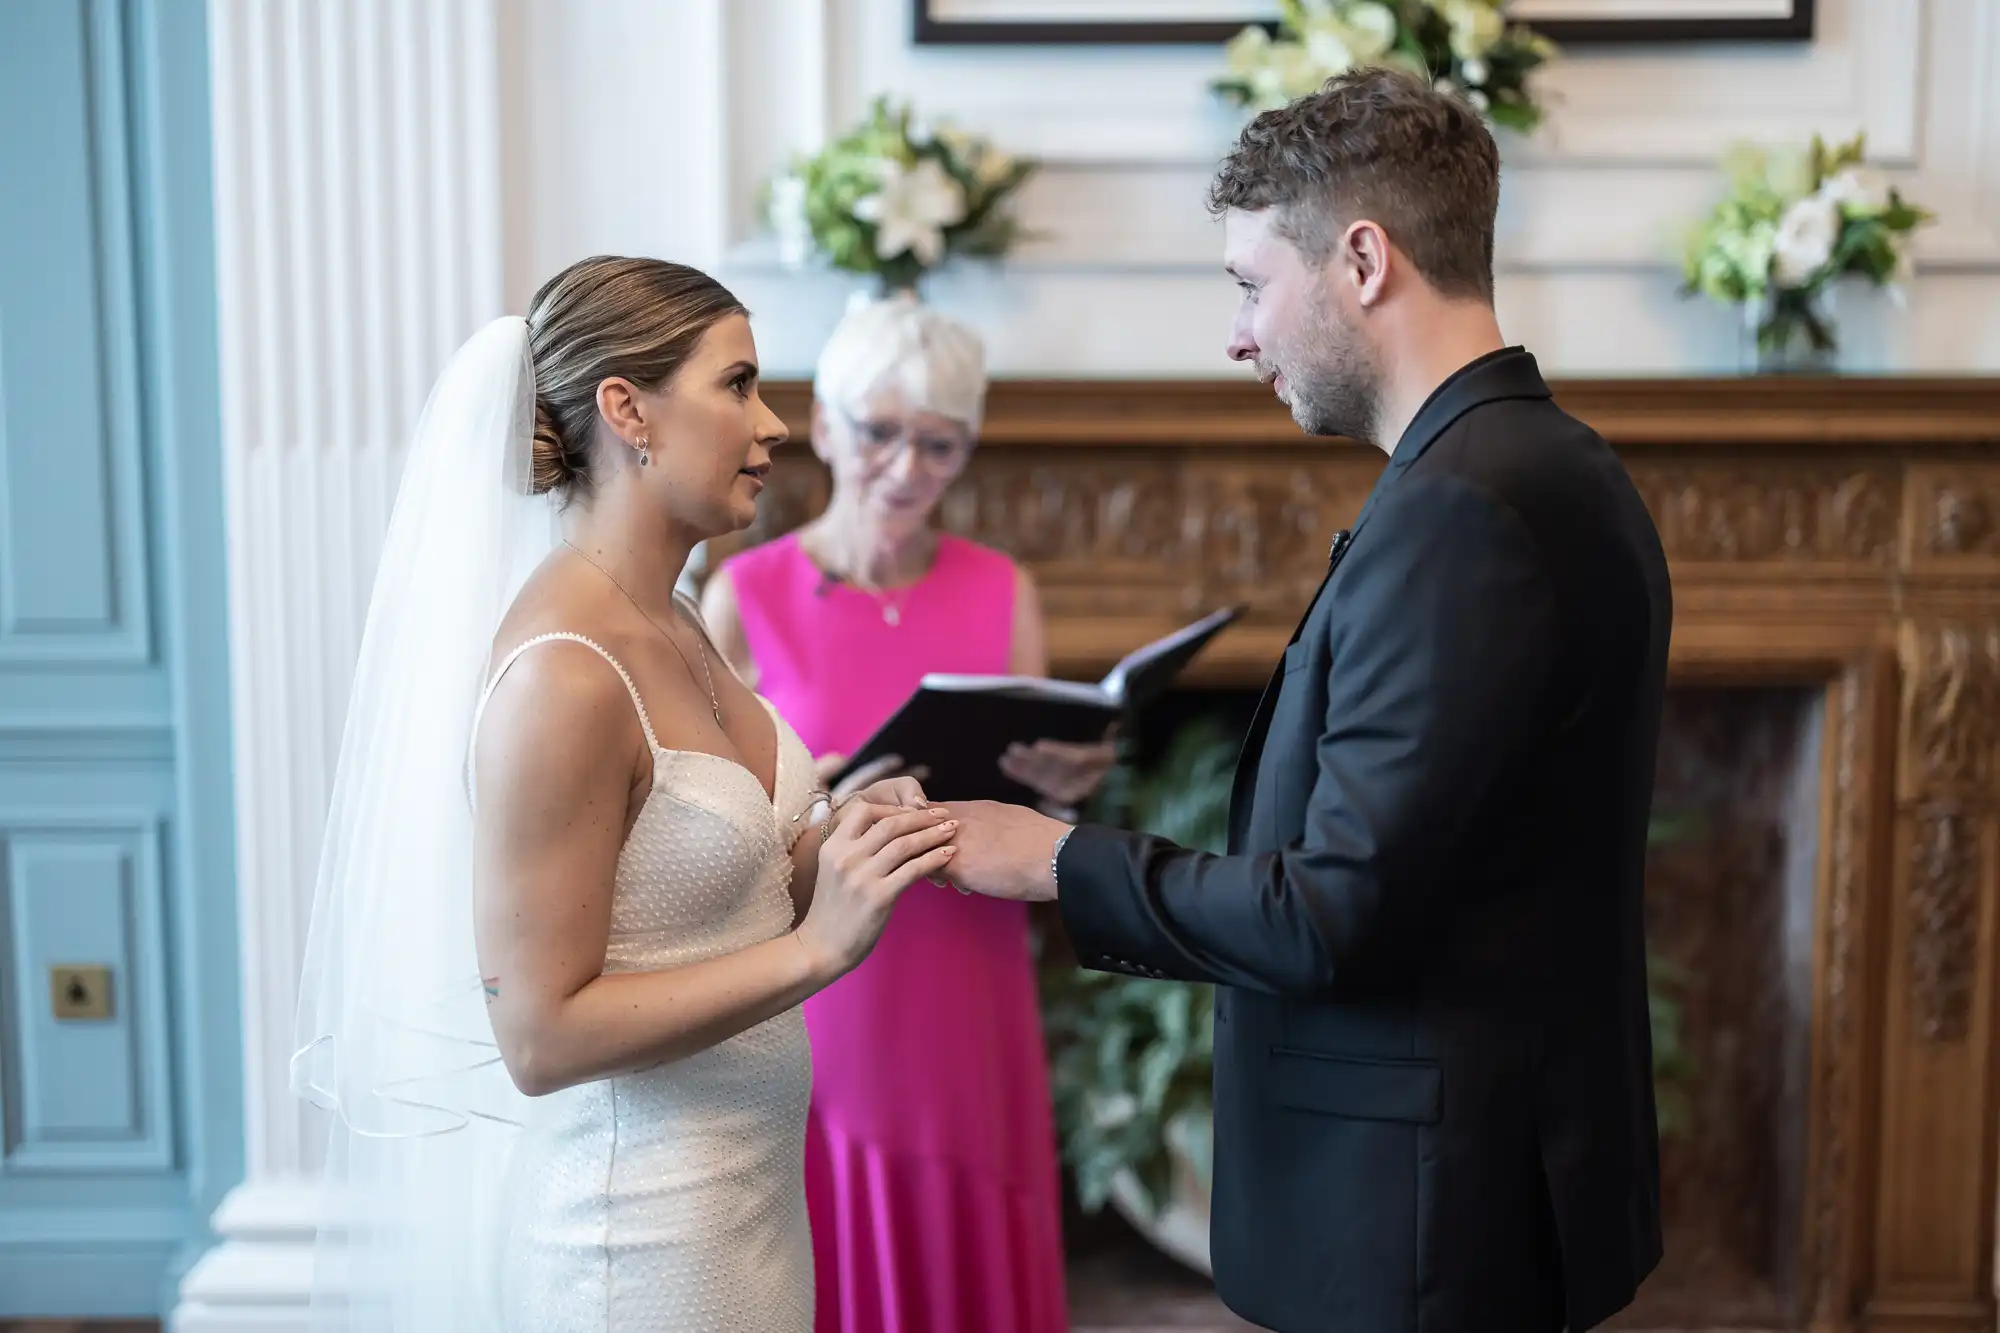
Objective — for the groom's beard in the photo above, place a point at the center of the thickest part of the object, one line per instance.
(1336, 388)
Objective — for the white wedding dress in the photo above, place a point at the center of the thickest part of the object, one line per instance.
(674, 1198)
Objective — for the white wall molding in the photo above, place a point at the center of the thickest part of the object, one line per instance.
(357, 151)
(1656, 107)
(1128, 137)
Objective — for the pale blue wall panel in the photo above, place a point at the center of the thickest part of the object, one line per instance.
(117, 1137)
(72, 544)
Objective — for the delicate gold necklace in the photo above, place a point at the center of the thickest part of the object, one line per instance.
(713, 703)
(892, 608)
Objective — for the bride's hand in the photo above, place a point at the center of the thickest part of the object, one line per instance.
(859, 782)
(873, 853)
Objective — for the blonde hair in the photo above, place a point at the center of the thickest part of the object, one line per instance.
(635, 319)
(938, 363)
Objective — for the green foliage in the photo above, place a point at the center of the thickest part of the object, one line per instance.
(1469, 46)
(1131, 1059)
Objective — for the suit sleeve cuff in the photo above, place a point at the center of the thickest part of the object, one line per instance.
(1104, 908)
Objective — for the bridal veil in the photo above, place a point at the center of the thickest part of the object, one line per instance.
(393, 1035)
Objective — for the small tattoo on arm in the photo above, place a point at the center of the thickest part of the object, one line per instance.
(492, 989)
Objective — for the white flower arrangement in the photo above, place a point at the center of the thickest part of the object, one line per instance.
(1795, 220)
(894, 199)
(1467, 46)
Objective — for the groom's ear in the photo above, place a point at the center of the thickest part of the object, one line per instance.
(1365, 254)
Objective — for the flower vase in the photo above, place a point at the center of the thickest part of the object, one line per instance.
(1790, 331)
(885, 290)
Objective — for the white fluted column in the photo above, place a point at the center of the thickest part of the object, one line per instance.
(358, 213)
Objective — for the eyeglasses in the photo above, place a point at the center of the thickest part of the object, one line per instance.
(878, 442)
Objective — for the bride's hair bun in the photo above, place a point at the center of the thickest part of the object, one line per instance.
(556, 468)
(606, 318)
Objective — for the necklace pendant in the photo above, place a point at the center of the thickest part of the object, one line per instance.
(718, 715)
(891, 616)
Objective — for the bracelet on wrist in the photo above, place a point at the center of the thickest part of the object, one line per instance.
(814, 799)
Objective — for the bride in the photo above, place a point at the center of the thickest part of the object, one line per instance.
(575, 882)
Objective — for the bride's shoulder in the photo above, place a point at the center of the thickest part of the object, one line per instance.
(567, 675)
(562, 659)
(558, 705)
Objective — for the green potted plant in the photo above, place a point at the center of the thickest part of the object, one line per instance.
(1131, 1059)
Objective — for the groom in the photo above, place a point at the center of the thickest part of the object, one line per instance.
(1433, 1089)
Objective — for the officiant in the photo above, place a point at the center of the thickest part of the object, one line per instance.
(931, 1173)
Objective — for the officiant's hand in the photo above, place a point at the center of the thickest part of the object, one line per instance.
(1004, 851)
(1064, 772)
(888, 767)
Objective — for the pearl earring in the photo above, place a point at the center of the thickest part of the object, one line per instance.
(645, 452)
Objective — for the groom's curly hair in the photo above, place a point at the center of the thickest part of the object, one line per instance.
(1379, 144)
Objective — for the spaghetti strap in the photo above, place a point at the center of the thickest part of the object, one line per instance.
(645, 721)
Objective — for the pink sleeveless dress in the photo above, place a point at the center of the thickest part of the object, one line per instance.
(931, 1176)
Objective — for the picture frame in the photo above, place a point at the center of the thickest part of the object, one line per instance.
(1203, 22)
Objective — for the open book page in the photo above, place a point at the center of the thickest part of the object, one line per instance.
(1022, 687)
(958, 726)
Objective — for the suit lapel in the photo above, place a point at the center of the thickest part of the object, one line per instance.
(1260, 721)
(1507, 373)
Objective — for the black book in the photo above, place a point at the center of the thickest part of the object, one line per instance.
(957, 727)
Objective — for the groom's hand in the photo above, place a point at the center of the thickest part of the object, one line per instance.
(1004, 851)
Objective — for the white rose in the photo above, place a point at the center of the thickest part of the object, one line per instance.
(1474, 71)
(1806, 236)
(1478, 100)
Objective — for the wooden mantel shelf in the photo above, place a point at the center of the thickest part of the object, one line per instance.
(1798, 410)
(1842, 533)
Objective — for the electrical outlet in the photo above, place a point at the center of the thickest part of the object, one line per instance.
(80, 991)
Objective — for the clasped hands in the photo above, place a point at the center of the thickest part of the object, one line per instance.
(1002, 851)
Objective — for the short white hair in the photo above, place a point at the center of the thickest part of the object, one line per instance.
(899, 343)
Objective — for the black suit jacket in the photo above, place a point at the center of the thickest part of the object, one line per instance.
(1433, 1085)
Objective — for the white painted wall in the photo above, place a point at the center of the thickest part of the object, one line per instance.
(649, 126)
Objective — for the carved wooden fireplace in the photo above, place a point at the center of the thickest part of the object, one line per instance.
(1835, 543)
